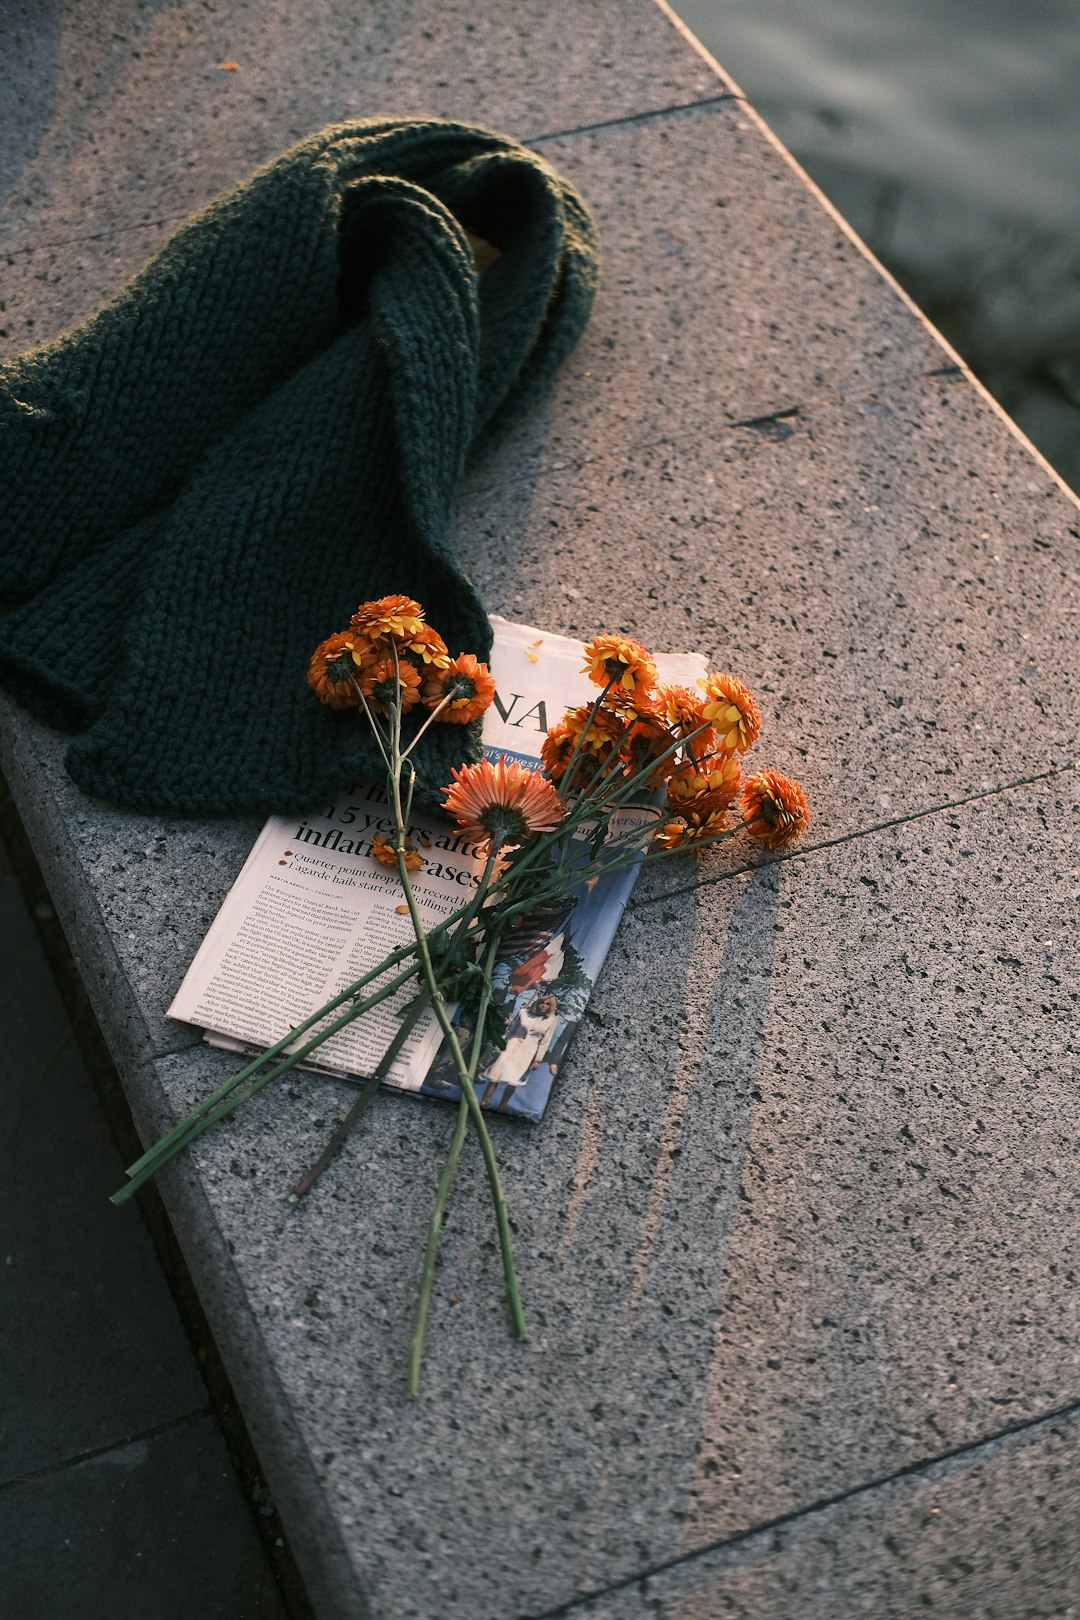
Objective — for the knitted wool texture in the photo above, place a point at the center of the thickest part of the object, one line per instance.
(267, 426)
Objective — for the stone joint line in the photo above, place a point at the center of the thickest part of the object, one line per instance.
(859, 832)
(910, 1470)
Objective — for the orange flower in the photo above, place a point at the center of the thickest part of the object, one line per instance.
(705, 790)
(732, 710)
(389, 616)
(556, 749)
(468, 684)
(504, 803)
(383, 685)
(383, 850)
(681, 707)
(671, 834)
(332, 664)
(684, 711)
(620, 660)
(647, 740)
(600, 742)
(639, 705)
(775, 810)
(694, 827)
(424, 647)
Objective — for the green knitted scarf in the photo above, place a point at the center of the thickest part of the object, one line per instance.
(267, 426)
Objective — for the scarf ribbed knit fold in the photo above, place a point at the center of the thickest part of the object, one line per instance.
(266, 427)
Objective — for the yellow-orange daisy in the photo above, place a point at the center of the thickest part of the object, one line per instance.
(774, 808)
(425, 648)
(620, 661)
(648, 740)
(681, 707)
(504, 803)
(671, 834)
(468, 684)
(388, 616)
(732, 710)
(694, 826)
(385, 683)
(601, 731)
(557, 748)
(333, 664)
(601, 734)
(705, 790)
(383, 850)
(641, 704)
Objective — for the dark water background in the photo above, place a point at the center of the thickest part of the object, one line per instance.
(948, 133)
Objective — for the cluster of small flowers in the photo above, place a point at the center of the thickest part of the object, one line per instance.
(388, 657)
(664, 735)
(695, 738)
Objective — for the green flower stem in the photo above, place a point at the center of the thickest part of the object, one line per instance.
(431, 1248)
(607, 802)
(517, 1314)
(640, 778)
(564, 786)
(510, 909)
(376, 729)
(651, 853)
(434, 715)
(446, 1180)
(498, 1197)
(195, 1123)
(605, 806)
(351, 991)
(382, 1069)
(367, 1096)
(409, 799)
(368, 1092)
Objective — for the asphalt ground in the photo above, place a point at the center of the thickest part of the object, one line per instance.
(127, 1485)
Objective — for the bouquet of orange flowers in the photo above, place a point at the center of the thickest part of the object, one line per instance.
(646, 771)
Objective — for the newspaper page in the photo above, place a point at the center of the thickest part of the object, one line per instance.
(312, 910)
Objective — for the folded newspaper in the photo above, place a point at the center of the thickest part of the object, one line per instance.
(312, 910)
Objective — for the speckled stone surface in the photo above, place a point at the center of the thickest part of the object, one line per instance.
(802, 1214)
(123, 112)
(910, 619)
(703, 319)
(987, 1535)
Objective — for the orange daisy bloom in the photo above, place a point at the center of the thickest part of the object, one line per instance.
(671, 834)
(681, 707)
(732, 710)
(705, 790)
(384, 684)
(468, 684)
(504, 803)
(600, 744)
(620, 660)
(425, 647)
(646, 740)
(332, 665)
(640, 705)
(388, 616)
(383, 850)
(775, 810)
(695, 826)
(556, 749)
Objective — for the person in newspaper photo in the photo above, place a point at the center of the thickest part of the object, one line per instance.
(528, 1039)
